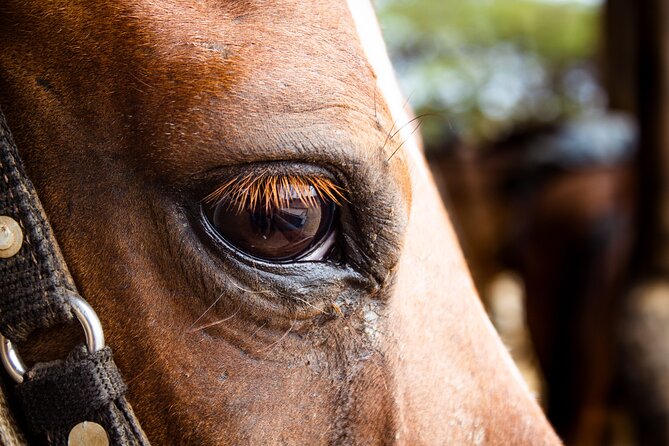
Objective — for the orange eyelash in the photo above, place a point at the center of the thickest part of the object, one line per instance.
(273, 191)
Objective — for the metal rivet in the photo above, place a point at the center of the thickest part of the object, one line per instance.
(11, 237)
(88, 433)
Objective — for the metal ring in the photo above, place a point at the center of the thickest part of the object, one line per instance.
(95, 338)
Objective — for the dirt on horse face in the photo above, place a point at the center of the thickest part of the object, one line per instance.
(129, 112)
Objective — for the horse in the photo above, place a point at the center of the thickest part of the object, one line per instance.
(236, 194)
(558, 204)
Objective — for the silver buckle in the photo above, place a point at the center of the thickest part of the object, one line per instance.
(95, 338)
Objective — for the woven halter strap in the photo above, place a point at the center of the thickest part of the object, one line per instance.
(52, 399)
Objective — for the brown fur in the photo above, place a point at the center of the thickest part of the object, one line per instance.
(568, 233)
(127, 111)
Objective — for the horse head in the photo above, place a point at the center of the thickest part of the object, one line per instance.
(235, 193)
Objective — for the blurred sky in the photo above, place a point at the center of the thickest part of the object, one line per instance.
(480, 69)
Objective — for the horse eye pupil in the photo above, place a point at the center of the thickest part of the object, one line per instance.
(261, 221)
(283, 231)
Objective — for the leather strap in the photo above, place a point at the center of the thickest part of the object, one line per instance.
(54, 396)
(29, 279)
(58, 395)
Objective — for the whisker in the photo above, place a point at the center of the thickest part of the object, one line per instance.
(212, 324)
(274, 344)
(250, 291)
(306, 302)
(206, 311)
(145, 369)
(388, 136)
(414, 119)
(255, 332)
(408, 137)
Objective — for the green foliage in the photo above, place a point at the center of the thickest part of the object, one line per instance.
(485, 66)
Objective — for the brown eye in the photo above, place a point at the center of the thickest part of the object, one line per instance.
(286, 224)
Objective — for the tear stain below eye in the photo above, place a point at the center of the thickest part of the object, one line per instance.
(372, 320)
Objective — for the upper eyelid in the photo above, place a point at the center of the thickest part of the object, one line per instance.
(268, 188)
(218, 175)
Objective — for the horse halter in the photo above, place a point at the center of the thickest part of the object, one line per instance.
(52, 399)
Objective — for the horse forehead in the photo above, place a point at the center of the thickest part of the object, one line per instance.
(369, 35)
(189, 76)
(292, 65)
(269, 42)
(291, 26)
(238, 32)
(258, 57)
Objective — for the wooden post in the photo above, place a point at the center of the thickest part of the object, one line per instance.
(645, 329)
(619, 54)
(653, 103)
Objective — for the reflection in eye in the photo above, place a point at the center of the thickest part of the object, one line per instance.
(277, 218)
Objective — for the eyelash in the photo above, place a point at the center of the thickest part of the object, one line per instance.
(265, 189)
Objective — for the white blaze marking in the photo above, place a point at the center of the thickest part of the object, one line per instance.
(371, 38)
(374, 47)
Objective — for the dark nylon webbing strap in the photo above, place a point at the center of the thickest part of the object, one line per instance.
(34, 285)
(58, 395)
(30, 282)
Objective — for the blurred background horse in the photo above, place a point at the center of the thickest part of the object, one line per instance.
(545, 124)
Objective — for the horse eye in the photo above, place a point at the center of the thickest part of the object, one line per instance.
(299, 225)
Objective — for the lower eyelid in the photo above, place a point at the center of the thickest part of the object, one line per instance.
(322, 250)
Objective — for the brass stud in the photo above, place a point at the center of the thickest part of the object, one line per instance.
(11, 237)
(88, 433)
